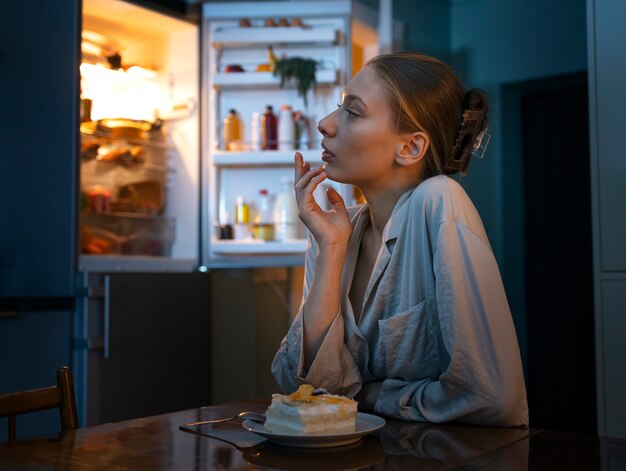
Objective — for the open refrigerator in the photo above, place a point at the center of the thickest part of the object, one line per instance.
(156, 180)
(158, 185)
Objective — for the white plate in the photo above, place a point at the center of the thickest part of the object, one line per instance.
(365, 424)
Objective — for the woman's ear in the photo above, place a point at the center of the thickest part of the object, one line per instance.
(413, 148)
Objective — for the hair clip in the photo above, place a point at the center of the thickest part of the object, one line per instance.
(481, 144)
(473, 121)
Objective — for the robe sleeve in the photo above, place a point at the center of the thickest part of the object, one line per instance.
(483, 381)
(333, 368)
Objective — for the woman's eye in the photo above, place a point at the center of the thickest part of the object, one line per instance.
(351, 114)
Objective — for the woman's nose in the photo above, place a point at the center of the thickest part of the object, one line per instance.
(326, 125)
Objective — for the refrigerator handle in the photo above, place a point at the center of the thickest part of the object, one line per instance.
(107, 315)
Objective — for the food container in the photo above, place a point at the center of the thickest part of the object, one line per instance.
(122, 128)
(127, 234)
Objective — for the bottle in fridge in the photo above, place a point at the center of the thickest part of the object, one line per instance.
(288, 224)
(263, 227)
(286, 129)
(269, 129)
(232, 131)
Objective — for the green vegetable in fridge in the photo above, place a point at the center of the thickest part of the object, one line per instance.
(301, 69)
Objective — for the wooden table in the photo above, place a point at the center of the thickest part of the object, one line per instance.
(156, 443)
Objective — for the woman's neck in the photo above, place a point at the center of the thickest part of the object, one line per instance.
(383, 194)
(381, 204)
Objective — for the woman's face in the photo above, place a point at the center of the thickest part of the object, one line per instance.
(359, 141)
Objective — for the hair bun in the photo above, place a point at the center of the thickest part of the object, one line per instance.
(476, 100)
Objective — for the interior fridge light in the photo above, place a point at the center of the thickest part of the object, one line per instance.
(116, 93)
(142, 72)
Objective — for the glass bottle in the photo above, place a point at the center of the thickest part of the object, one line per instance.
(263, 227)
(269, 131)
(302, 131)
(232, 131)
(241, 229)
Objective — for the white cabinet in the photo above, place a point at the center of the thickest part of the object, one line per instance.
(324, 38)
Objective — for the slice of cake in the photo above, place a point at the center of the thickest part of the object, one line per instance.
(311, 412)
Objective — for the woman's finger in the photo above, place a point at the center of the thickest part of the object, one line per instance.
(306, 179)
(336, 200)
(300, 167)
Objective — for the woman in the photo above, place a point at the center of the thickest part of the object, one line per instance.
(403, 304)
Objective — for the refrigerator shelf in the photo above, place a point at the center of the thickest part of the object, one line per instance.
(225, 158)
(256, 79)
(85, 131)
(251, 36)
(251, 246)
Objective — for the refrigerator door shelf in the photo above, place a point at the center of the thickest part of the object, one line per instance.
(250, 36)
(251, 246)
(231, 80)
(263, 158)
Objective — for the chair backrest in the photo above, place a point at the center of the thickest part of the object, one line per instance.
(61, 396)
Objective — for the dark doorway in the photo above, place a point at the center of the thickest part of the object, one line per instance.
(558, 255)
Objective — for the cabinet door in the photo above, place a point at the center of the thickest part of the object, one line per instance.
(614, 372)
(39, 146)
(610, 75)
(159, 347)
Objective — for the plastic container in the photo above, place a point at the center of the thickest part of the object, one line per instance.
(263, 227)
(286, 129)
(269, 130)
(232, 131)
(286, 212)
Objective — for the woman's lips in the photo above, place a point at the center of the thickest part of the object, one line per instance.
(326, 154)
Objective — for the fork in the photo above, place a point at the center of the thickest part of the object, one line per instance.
(254, 416)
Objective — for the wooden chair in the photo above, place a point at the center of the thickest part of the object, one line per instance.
(61, 396)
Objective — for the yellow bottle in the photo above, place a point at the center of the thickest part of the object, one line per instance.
(232, 131)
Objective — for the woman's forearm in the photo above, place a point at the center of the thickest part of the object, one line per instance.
(323, 301)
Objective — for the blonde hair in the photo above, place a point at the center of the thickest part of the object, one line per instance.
(428, 97)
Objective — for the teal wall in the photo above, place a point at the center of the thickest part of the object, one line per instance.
(494, 45)
(427, 26)
(497, 45)
(495, 42)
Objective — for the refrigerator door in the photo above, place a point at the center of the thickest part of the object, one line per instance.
(39, 147)
(140, 146)
(239, 52)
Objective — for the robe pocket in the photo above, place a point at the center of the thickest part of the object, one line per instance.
(406, 345)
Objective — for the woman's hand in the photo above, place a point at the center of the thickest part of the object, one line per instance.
(331, 229)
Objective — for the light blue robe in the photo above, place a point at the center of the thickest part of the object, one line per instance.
(435, 325)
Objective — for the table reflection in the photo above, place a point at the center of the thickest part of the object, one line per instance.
(432, 446)
(399, 445)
